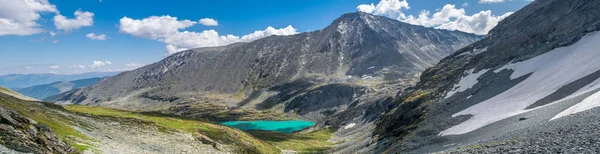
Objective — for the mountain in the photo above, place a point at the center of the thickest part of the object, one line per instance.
(529, 86)
(17, 81)
(43, 91)
(311, 75)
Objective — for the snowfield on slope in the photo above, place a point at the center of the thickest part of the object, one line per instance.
(550, 71)
(588, 103)
(466, 82)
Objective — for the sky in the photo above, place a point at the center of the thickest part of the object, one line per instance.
(79, 36)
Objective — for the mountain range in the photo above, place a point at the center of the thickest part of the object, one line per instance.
(312, 75)
(371, 85)
(17, 81)
(42, 92)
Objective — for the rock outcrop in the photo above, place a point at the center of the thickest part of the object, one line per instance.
(25, 135)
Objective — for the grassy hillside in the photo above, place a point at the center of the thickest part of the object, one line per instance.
(255, 142)
(59, 119)
(44, 113)
(315, 142)
(245, 143)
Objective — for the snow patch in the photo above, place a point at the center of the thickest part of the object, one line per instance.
(588, 103)
(466, 82)
(348, 126)
(550, 71)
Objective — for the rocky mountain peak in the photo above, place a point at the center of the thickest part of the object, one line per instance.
(356, 46)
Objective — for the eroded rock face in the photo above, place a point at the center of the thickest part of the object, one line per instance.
(25, 135)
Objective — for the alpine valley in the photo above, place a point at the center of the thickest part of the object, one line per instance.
(363, 84)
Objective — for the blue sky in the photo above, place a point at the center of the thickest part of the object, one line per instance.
(70, 51)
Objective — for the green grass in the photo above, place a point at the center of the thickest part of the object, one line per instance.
(42, 113)
(244, 142)
(314, 142)
(255, 142)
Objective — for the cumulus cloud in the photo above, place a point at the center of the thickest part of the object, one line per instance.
(54, 67)
(208, 22)
(170, 31)
(19, 17)
(99, 64)
(391, 8)
(449, 17)
(93, 36)
(480, 23)
(153, 27)
(82, 19)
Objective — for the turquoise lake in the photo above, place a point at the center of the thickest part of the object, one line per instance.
(277, 126)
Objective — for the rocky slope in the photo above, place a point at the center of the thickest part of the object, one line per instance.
(25, 135)
(313, 74)
(44, 91)
(533, 74)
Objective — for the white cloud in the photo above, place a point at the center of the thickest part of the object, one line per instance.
(153, 27)
(449, 17)
(82, 19)
(480, 23)
(208, 22)
(93, 36)
(491, 1)
(465, 4)
(99, 64)
(19, 17)
(52, 34)
(54, 67)
(168, 30)
(55, 41)
(77, 66)
(390, 8)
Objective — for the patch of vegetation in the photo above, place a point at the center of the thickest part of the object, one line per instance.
(43, 113)
(314, 142)
(477, 146)
(243, 142)
(417, 95)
